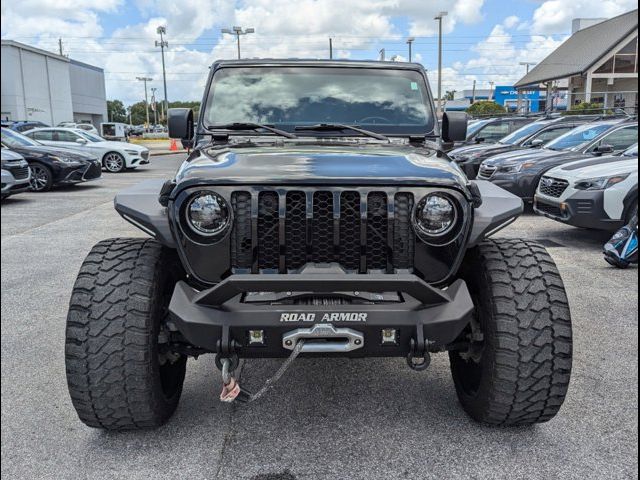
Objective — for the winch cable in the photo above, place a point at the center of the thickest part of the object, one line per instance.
(231, 390)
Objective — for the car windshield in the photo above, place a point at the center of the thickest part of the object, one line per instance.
(578, 137)
(632, 151)
(89, 136)
(15, 139)
(384, 101)
(522, 133)
(473, 128)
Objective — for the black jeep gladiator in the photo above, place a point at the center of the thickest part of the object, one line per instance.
(316, 215)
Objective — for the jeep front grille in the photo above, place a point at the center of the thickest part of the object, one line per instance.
(283, 230)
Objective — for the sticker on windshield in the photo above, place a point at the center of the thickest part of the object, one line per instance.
(414, 85)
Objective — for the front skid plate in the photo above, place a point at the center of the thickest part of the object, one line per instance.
(204, 326)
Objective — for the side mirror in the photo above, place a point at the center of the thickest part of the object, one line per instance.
(81, 141)
(454, 127)
(602, 149)
(479, 139)
(537, 143)
(180, 123)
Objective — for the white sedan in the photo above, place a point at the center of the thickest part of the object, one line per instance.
(115, 156)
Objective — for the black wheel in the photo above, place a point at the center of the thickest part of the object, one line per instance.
(41, 177)
(114, 162)
(120, 371)
(516, 370)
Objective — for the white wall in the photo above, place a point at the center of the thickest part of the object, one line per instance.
(88, 94)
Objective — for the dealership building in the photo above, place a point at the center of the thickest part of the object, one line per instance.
(597, 64)
(51, 88)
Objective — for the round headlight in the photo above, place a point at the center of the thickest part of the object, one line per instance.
(436, 215)
(207, 214)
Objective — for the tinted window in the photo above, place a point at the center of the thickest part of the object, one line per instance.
(474, 127)
(552, 134)
(522, 133)
(388, 101)
(42, 135)
(621, 139)
(64, 136)
(15, 139)
(495, 131)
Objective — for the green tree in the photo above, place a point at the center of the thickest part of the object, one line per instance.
(138, 114)
(485, 107)
(450, 94)
(116, 111)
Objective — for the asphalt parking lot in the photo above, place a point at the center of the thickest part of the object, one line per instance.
(336, 419)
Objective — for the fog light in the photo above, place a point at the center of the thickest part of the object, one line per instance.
(389, 336)
(256, 337)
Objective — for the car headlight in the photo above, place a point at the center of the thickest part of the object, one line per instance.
(518, 167)
(132, 152)
(435, 215)
(600, 183)
(207, 214)
(69, 161)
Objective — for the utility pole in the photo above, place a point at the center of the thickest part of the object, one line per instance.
(154, 105)
(237, 31)
(473, 93)
(330, 48)
(527, 64)
(410, 40)
(381, 55)
(491, 84)
(440, 16)
(146, 100)
(60, 47)
(162, 44)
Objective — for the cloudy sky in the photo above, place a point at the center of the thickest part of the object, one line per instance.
(484, 39)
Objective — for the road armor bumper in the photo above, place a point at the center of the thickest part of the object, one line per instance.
(375, 315)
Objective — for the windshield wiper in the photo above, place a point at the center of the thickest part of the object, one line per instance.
(251, 126)
(328, 127)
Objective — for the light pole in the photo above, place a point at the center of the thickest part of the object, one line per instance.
(146, 100)
(154, 105)
(161, 30)
(237, 31)
(439, 17)
(491, 84)
(381, 52)
(528, 64)
(410, 40)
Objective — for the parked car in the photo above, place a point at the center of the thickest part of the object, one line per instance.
(16, 176)
(51, 166)
(115, 156)
(490, 130)
(520, 172)
(533, 135)
(88, 127)
(600, 193)
(299, 227)
(26, 125)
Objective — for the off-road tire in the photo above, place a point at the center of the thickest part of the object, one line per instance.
(118, 305)
(523, 314)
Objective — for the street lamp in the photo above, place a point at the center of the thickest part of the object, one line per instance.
(439, 17)
(161, 30)
(146, 101)
(528, 64)
(410, 40)
(237, 31)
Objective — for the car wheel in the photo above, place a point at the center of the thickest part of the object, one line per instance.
(41, 178)
(516, 368)
(631, 212)
(114, 162)
(121, 372)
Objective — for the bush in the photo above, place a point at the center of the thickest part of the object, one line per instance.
(586, 108)
(486, 108)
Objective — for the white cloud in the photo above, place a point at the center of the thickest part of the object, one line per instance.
(555, 16)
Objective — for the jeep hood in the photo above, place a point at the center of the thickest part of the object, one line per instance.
(326, 165)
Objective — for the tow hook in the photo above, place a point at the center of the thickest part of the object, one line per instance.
(419, 358)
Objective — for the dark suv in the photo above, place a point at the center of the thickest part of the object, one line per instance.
(316, 216)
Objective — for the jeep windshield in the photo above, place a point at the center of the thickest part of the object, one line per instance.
(385, 101)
